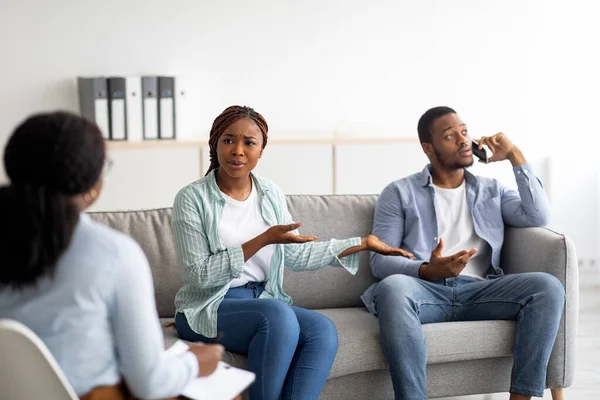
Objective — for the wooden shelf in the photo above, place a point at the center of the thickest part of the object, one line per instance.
(165, 144)
(151, 144)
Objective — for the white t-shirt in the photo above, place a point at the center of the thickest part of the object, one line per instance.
(455, 226)
(242, 221)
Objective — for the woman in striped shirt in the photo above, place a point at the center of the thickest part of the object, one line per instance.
(233, 235)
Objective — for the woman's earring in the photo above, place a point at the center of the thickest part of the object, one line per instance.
(90, 196)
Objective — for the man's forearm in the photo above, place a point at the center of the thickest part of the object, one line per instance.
(384, 266)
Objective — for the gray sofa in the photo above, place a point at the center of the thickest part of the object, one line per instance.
(462, 357)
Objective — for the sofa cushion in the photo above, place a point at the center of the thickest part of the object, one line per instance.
(360, 347)
(329, 217)
(152, 230)
(321, 215)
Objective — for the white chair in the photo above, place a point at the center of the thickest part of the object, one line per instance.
(27, 369)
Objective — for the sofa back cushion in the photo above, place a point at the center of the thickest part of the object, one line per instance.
(331, 216)
(326, 216)
(152, 230)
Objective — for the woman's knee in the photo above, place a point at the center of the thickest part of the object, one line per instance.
(323, 331)
(184, 331)
(279, 318)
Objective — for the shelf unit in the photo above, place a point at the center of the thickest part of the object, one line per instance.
(334, 141)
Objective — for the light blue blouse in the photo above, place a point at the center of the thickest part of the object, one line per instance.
(98, 317)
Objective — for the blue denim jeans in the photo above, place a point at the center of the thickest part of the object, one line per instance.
(290, 349)
(534, 300)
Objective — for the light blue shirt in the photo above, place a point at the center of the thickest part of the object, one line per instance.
(405, 217)
(98, 317)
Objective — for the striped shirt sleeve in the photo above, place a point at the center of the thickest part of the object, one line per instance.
(198, 264)
(316, 255)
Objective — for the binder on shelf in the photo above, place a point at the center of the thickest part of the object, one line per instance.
(150, 107)
(182, 112)
(93, 102)
(166, 107)
(116, 108)
(133, 108)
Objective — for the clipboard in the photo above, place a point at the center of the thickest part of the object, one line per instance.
(225, 383)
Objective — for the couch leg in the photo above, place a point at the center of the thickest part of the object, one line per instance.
(557, 394)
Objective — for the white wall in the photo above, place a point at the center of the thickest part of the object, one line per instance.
(343, 67)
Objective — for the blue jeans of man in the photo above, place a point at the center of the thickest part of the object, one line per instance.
(534, 300)
(290, 349)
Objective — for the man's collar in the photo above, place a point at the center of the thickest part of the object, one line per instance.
(427, 180)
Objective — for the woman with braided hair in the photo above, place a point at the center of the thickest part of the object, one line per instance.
(84, 289)
(233, 235)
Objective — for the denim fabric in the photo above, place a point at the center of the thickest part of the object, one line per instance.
(208, 267)
(534, 300)
(405, 217)
(290, 349)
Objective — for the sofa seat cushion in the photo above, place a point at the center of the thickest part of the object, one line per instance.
(360, 349)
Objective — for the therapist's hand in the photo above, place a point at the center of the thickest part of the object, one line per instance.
(208, 356)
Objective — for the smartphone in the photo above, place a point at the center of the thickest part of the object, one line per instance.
(481, 154)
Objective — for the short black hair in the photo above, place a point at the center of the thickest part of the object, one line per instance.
(427, 119)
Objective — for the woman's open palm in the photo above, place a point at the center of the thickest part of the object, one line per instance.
(281, 234)
(376, 245)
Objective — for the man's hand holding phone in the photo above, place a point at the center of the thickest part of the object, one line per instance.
(479, 152)
(502, 149)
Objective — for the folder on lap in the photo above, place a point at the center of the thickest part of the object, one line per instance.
(224, 384)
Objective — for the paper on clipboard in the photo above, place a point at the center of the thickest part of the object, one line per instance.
(224, 384)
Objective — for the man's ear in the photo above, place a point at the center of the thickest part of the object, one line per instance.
(427, 149)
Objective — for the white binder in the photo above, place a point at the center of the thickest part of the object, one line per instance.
(150, 107)
(133, 108)
(183, 113)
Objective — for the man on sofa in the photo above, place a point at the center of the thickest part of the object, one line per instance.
(453, 222)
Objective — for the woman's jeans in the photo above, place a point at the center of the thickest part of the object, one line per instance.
(534, 300)
(290, 349)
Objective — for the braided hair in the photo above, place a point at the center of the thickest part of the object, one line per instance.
(229, 116)
(49, 158)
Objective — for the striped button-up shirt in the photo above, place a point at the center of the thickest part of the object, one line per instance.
(208, 266)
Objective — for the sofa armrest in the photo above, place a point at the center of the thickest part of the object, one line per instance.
(543, 250)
